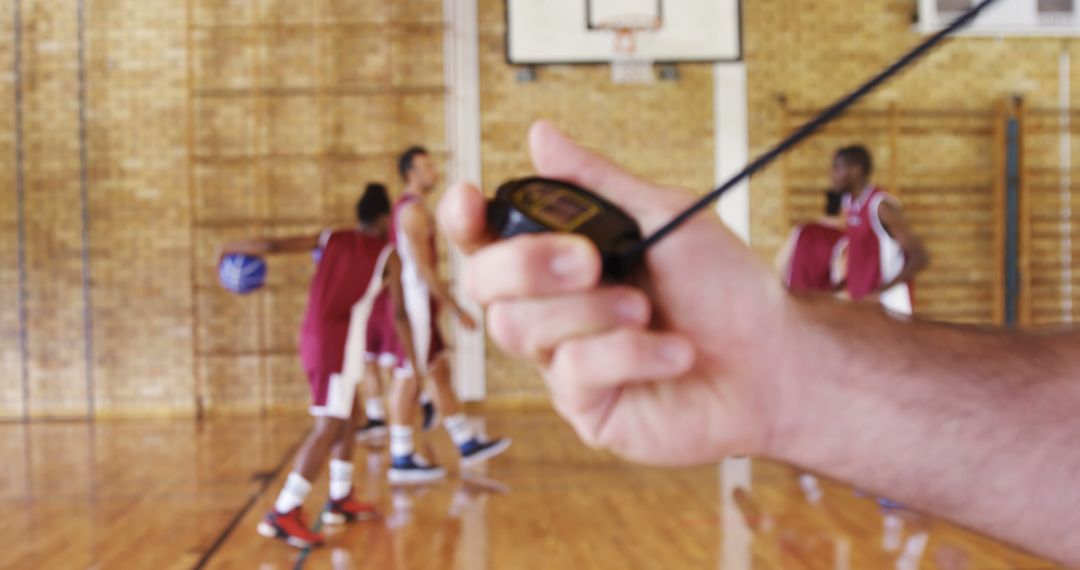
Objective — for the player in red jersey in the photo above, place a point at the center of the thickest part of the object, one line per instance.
(347, 279)
(811, 259)
(883, 254)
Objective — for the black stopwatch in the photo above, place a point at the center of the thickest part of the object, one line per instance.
(537, 205)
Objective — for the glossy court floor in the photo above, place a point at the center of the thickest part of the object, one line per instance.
(181, 494)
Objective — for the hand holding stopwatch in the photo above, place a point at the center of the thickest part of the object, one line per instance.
(537, 205)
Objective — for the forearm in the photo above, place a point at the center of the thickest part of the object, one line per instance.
(249, 247)
(267, 246)
(438, 288)
(976, 427)
(907, 274)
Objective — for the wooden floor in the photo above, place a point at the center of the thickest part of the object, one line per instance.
(181, 494)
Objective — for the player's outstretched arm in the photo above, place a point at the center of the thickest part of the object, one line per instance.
(272, 246)
(717, 359)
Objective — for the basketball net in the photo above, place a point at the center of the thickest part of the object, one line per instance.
(628, 66)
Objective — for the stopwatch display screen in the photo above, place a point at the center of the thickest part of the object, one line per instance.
(563, 210)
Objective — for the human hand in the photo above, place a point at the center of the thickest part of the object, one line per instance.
(685, 369)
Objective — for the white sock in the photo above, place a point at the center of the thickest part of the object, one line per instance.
(425, 398)
(459, 429)
(293, 494)
(340, 479)
(401, 441)
(375, 409)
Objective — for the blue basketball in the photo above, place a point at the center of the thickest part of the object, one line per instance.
(241, 273)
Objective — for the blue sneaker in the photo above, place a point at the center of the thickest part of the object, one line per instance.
(413, 469)
(477, 450)
(431, 415)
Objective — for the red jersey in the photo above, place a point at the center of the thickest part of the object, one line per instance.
(814, 248)
(874, 258)
(342, 277)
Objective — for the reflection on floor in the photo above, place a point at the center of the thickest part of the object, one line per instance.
(181, 494)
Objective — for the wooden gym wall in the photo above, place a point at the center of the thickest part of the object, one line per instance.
(94, 160)
(201, 121)
(804, 59)
(136, 136)
(295, 106)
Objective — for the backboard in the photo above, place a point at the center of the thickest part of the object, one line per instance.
(578, 31)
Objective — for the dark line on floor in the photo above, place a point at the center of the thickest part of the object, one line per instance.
(302, 559)
(247, 506)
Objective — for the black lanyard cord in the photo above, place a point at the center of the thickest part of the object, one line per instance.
(806, 130)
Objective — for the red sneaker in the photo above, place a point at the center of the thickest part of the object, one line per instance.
(347, 509)
(291, 527)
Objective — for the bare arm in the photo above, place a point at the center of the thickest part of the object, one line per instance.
(401, 315)
(270, 246)
(979, 427)
(418, 227)
(897, 225)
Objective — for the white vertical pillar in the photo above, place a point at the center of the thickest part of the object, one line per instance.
(735, 537)
(462, 70)
(732, 143)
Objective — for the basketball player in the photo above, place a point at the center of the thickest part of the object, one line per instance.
(810, 260)
(346, 281)
(413, 234)
(883, 254)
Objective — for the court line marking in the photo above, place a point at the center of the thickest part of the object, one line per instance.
(268, 478)
(302, 559)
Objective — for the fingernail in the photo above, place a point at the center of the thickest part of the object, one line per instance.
(676, 353)
(573, 262)
(632, 309)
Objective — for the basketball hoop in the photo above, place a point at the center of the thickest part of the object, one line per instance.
(628, 67)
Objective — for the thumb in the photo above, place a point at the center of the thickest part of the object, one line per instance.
(556, 155)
